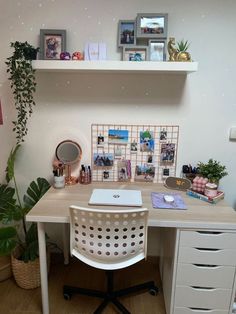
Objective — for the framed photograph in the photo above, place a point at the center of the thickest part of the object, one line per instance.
(103, 160)
(157, 50)
(134, 147)
(146, 141)
(135, 53)
(163, 135)
(118, 136)
(151, 25)
(167, 152)
(52, 43)
(126, 33)
(100, 140)
(144, 173)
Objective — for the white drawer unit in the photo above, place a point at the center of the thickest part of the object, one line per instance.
(205, 272)
(207, 256)
(206, 239)
(205, 275)
(186, 310)
(202, 297)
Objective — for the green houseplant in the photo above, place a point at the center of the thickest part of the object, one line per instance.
(22, 77)
(183, 45)
(14, 230)
(212, 170)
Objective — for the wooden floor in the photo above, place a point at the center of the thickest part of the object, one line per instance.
(14, 300)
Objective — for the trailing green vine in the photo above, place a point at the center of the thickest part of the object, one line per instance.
(22, 77)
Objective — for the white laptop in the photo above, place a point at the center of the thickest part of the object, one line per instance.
(116, 197)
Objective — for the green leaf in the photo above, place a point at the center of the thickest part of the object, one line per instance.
(7, 240)
(11, 163)
(35, 191)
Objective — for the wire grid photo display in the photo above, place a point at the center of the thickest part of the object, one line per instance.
(121, 152)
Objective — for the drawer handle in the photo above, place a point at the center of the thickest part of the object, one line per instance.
(207, 249)
(210, 232)
(198, 309)
(205, 266)
(202, 288)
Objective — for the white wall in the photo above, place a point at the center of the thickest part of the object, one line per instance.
(204, 105)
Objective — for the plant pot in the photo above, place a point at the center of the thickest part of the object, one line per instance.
(30, 54)
(5, 267)
(26, 274)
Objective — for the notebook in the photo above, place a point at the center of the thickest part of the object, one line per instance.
(116, 197)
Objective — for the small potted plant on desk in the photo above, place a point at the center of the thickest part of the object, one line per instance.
(207, 181)
(16, 237)
(212, 170)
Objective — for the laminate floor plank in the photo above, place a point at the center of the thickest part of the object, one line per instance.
(15, 300)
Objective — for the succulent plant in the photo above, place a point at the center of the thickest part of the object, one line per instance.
(183, 45)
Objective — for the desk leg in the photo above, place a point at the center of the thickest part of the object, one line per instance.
(66, 244)
(43, 267)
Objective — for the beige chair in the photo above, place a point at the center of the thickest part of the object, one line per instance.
(109, 240)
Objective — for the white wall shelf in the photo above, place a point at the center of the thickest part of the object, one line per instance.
(115, 66)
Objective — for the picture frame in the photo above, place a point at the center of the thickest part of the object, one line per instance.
(103, 160)
(151, 25)
(135, 53)
(118, 136)
(126, 33)
(147, 141)
(144, 173)
(52, 43)
(157, 50)
(167, 153)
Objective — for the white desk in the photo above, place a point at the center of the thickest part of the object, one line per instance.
(198, 251)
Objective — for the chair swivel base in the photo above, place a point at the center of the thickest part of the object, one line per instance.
(110, 295)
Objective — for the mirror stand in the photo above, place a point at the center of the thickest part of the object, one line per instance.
(69, 179)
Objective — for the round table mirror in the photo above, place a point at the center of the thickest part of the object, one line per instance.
(69, 153)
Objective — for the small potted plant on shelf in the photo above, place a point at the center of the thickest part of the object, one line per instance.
(212, 170)
(22, 77)
(16, 237)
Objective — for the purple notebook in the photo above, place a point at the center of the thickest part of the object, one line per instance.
(159, 202)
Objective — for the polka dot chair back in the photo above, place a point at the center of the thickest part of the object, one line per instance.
(108, 239)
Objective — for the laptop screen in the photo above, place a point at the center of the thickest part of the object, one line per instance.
(116, 197)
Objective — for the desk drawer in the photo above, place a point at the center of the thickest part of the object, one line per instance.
(207, 256)
(206, 239)
(193, 297)
(205, 275)
(186, 310)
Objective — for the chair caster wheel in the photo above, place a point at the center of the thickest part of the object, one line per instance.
(153, 291)
(67, 296)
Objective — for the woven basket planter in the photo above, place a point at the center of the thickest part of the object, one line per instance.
(5, 267)
(27, 275)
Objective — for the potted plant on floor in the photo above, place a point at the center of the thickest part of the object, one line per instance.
(16, 237)
(22, 77)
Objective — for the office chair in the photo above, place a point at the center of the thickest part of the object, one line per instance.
(109, 240)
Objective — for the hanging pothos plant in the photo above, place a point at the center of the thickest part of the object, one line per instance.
(22, 77)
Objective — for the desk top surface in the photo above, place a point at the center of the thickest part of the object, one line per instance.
(54, 207)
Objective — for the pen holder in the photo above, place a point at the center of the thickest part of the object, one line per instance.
(84, 177)
(59, 182)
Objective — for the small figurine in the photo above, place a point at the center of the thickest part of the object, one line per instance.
(65, 55)
(77, 55)
(180, 53)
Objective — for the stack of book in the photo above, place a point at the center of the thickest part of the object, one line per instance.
(212, 200)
